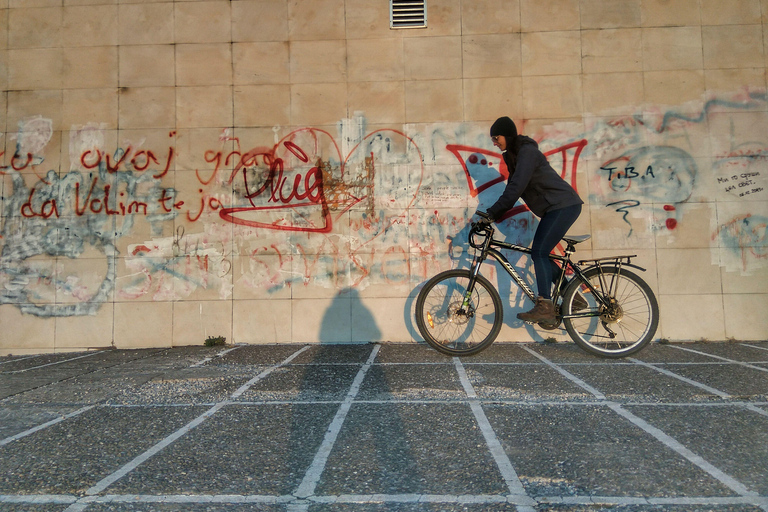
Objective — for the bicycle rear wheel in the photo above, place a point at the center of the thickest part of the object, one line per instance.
(620, 329)
(449, 328)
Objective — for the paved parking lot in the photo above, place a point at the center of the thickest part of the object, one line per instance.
(376, 427)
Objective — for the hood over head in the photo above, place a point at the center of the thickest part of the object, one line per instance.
(504, 126)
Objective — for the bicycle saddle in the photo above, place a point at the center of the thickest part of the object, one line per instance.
(576, 239)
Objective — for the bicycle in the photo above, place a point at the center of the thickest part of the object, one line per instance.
(607, 310)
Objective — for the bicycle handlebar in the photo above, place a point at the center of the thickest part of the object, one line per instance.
(479, 228)
(484, 215)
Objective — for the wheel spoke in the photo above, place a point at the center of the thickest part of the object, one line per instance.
(449, 327)
(623, 327)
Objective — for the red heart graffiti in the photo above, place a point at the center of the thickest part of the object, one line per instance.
(307, 194)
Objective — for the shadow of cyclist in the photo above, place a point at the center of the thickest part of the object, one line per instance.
(347, 319)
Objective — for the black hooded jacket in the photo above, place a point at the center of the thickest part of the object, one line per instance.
(532, 179)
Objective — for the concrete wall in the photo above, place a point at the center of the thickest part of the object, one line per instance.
(162, 161)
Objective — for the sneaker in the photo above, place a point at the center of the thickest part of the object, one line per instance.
(543, 311)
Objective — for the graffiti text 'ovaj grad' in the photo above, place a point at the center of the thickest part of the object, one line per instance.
(91, 199)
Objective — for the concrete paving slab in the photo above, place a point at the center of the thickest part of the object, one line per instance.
(71, 456)
(735, 437)
(410, 507)
(565, 353)
(652, 508)
(524, 382)
(19, 363)
(185, 507)
(169, 359)
(102, 359)
(193, 386)
(411, 353)
(660, 353)
(25, 507)
(410, 448)
(18, 418)
(412, 382)
(27, 382)
(98, 361)
(349, 354)
(737, 380)
(272, 354)
(86, 378)
(335, 507)
(90, 388)
(304, 382)
(506, 353)
(755, 345)
(735, 351)
(8, 358)
(399, 433)
(567, 450)
(632, 383)
(242, 449)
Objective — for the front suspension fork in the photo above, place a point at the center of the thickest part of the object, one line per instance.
(473, 271)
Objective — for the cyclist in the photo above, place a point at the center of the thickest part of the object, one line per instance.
(547, 195)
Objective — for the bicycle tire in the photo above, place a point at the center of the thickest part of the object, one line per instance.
(634, 316)
(442, 325)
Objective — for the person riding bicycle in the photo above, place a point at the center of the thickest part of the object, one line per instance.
(547, 195)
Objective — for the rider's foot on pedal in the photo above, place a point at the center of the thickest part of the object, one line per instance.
(543, 311)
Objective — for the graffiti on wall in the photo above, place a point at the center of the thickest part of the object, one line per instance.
(351, 209)
(746, 233)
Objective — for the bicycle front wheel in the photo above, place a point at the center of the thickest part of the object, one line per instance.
(622, 327)
(446, 325)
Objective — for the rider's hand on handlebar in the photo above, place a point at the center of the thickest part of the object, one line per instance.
(484, 219)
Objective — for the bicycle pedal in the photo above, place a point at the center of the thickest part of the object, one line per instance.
(550, 326)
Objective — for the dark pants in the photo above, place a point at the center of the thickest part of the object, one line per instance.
(552, 228)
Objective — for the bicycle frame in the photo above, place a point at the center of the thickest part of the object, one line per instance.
(606, 309)
(489, 248)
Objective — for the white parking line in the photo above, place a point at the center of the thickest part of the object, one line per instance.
(292, 501)
(295, 502)
(678, 447)
(661, 436)
(708, 389)
(312, 476)
(722, 394)
(45, 425)
(568, 375)
(38, 499)
(30, 431)
(740, 363)
(753, 346)
(55, 363)
(505, 466)
(120, 473)
(220, 354)
(17, 359)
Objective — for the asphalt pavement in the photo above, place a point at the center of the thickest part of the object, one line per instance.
(386, 427)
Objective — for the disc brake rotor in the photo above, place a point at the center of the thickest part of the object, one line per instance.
(456, 315)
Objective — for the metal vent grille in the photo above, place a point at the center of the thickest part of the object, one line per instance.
(407, 13)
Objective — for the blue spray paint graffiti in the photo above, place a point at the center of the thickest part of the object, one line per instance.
(65, 217)
(395, 213)
(658, 175)
(747, 234)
